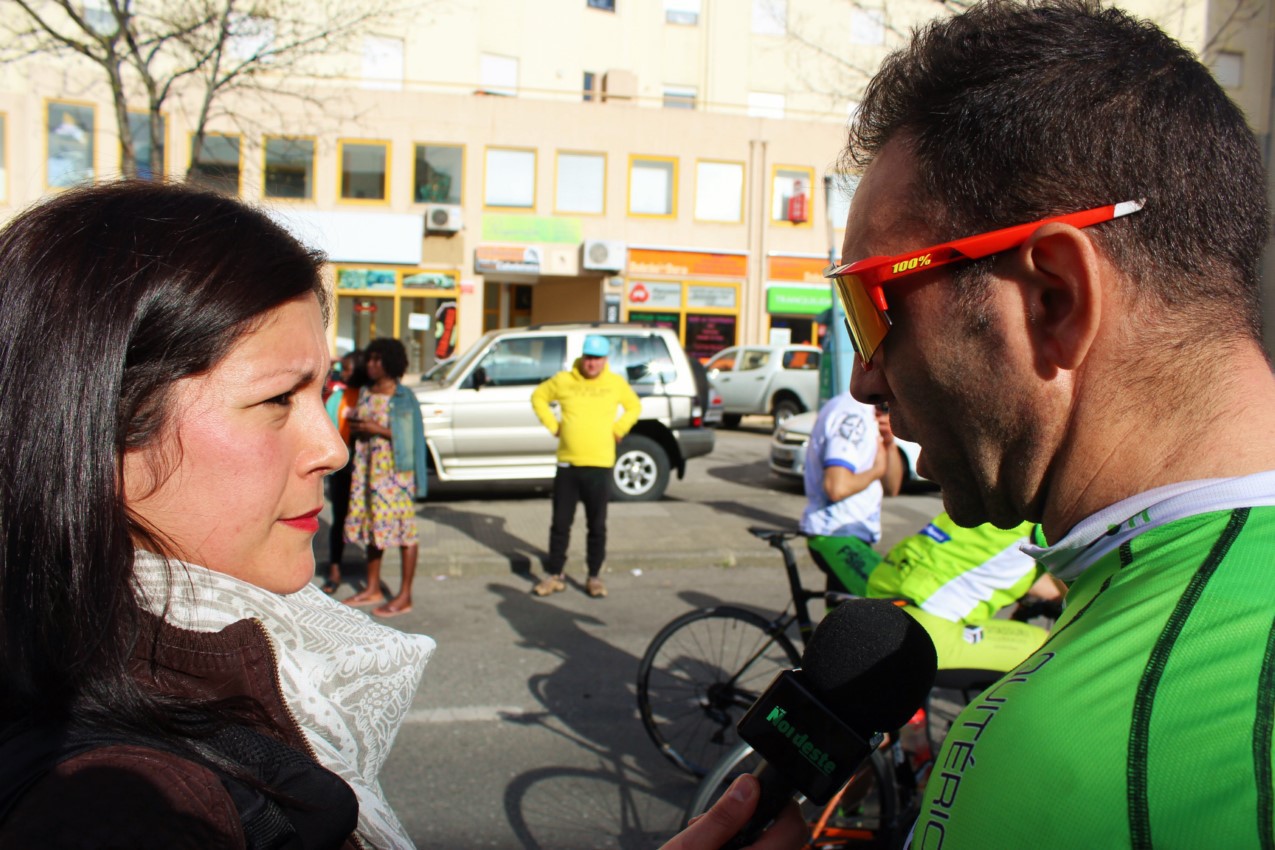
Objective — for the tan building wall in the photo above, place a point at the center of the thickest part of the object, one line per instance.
(818, 65)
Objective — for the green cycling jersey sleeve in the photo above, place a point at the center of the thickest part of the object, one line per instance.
(1146, 718)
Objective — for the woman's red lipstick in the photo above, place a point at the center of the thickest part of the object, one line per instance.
(307, 522)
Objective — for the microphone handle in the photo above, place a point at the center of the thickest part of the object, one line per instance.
(776, 791)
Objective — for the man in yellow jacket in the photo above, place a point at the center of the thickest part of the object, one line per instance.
(588, 396)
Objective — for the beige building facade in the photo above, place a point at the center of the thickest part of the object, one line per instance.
(493, 163)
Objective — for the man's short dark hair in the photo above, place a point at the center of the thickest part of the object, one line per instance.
(392, 353)
(1020, 110)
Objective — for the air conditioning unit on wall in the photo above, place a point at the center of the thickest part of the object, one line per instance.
(442, 218)
(603, 255)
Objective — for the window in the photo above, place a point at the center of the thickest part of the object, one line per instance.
(289, 170)
(364, 170)
(216, 165)
(839, 195)
(590, 88)
(719, 191)
(642, 360)
(802, 360)
(251, 38)
(754, 358)
(765, 104)
(510, 178)
(498, 74)
(652, 186)
(439, 174)
(382, 63)
(867, 26)
(523, 361)
(150, 163)
(1228, 69)
(681, 12)
(770, 17)
(604, 5)
(724, 362)
(580, 183)
(790, 194)
(680, 97)
(99, 17)
(69, 143)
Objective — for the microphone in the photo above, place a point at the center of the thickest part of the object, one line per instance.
(866, 670)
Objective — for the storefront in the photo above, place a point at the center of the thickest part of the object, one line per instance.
(695, 293)
(796, 293)
(417, 306)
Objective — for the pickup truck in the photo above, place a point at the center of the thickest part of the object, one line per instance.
(776, 380)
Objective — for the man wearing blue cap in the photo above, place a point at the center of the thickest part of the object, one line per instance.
(588, 396)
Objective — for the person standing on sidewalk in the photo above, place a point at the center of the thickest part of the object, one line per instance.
(587, 433)
(389, 474)
(851, 461)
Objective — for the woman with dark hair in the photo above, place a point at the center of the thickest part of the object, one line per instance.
(170, 677)
(340, 406)
(389, 474)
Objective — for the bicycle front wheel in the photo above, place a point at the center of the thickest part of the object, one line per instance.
(862, 814)
(700, 674)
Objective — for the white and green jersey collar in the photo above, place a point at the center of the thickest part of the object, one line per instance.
(1104, 532)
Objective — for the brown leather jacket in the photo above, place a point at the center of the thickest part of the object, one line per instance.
(137, 797)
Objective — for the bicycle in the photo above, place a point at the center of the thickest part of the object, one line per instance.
(704, 669)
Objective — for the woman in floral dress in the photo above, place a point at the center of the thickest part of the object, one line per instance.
(389, 474)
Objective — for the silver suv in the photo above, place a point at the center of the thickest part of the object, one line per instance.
(480, 426)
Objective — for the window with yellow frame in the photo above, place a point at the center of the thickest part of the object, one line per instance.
(218, 164)
(288, 168)
(705, 314)
(69, 133)
(580, 183)
(653, 186)
(509, 178)
(791, 195)
(365, 171)
(719, 191)
(151, 161)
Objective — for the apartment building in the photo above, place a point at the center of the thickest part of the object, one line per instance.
(493, 163)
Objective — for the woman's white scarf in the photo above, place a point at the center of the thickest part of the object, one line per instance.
(348, 680)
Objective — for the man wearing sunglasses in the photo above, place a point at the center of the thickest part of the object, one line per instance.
(1050, 275)
(1050, 270)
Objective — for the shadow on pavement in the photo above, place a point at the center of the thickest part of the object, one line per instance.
(490, 531)
(633, 798)
(756, 515)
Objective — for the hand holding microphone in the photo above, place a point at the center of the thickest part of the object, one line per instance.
(866, 670)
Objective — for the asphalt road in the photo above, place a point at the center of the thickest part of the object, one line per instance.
(524, 733)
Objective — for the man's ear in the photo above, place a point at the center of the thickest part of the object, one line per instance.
(1063, 282)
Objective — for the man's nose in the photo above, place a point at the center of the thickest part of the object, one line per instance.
(868, 386)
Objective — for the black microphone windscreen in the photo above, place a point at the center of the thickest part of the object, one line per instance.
(871, 664)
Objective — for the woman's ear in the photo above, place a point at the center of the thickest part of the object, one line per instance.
(1063, 281)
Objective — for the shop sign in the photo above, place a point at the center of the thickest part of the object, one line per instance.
(430, 280)
(686, 263)
(721, 297)
(801, 269)
(507, 259)
(707, 335)
(503, 227)
(643, 293)
(366, 279)
(798, 300)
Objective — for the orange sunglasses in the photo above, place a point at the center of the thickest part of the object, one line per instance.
(860, 284)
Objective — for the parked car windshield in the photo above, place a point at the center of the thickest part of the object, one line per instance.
(642, 360)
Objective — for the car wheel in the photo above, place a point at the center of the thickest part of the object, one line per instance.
(784, 409)
(641, 470)
(731, 420)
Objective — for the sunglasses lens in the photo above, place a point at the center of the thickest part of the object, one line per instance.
(867, 324)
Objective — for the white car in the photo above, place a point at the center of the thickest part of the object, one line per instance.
(788, 449)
